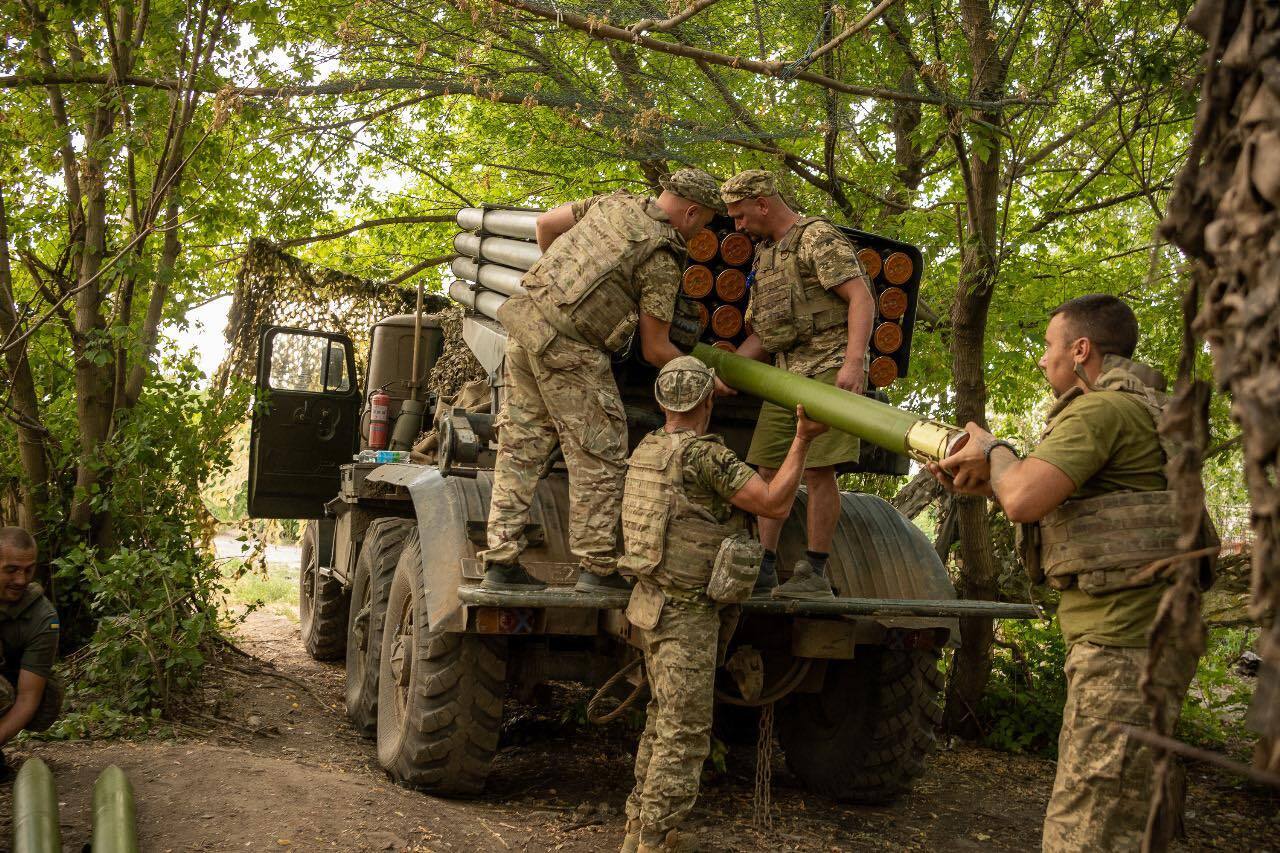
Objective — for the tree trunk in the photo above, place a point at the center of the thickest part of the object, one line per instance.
(23, 401)
(971, 666)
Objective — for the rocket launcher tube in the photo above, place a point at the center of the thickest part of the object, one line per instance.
(35, 810)
(114, 815)
(883, 425)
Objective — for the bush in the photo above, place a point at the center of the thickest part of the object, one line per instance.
(1021, 710)
(151, 598)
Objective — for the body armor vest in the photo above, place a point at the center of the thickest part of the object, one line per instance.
(585, 284)
(787, 306)
(669, 540)
(1102, 543)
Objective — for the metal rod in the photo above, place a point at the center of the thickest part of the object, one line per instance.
(829, 607)
(417, 342)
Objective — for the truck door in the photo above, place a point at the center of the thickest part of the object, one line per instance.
(306, 414)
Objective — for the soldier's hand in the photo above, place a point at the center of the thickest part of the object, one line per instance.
(851, 378)
(966, 471)
(807, 429)
(723, 390)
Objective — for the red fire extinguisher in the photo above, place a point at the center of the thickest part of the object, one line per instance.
(378, 404)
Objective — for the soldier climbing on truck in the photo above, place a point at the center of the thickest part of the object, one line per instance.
(392, 568)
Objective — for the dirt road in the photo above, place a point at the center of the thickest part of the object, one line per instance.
(269, 763)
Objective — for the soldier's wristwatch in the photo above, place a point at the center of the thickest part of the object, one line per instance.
(991, 445)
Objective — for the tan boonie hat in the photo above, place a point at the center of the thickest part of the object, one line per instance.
(683, 383)
(695, 185)
(753, 183)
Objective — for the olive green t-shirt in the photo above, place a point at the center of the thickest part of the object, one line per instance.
(1105, 441)
(29, 632)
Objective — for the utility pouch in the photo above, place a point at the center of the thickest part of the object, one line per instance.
(645, 607)
(734, 572)
(1026, 539)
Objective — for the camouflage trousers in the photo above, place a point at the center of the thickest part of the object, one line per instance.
(1102, 791)
(680, 660)
(46, 712)
(565, 394)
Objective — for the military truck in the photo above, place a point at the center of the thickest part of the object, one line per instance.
(389, 575)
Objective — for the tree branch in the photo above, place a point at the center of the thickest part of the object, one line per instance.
(368, 223)
(1054, 216)
(653, 25)
(420, 266)
(777, 70)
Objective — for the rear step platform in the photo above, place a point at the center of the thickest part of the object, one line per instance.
(616, 600)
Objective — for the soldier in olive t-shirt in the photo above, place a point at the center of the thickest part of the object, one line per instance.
(1106, 442)
(1095, 490)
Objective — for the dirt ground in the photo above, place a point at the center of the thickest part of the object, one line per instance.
(271, 764)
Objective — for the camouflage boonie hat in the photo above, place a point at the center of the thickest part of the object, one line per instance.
(753, 183)
(683, 383)
(695, 185)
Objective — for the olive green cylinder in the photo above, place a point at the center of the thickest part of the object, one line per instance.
(114, 815)
(35, 810)
(883, 425)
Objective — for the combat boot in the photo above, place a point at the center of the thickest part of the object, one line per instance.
(805, 584)
(509, 577)
(766, 582)
(674, 842)
(631, 841)
(591, 582)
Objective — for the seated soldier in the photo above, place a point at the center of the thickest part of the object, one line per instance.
(30, 698)
(685, 500)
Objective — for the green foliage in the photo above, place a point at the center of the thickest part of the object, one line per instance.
(153, 599)
(1021, 710)
(1213, 714)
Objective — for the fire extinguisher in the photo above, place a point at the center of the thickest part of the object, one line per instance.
(378, 419)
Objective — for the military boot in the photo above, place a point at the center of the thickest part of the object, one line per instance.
(509, 577)
(591, 582)
(766, 581)
(805, 584)
(674, 842)
(631, 841)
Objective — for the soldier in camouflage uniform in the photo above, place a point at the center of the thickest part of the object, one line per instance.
(30, 695)
(1094, 509)
(611, 265)
(685, 494)
(811, 312)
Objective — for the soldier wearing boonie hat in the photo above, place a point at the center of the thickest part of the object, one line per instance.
(811, 313)
(610, 271)
(685, 493)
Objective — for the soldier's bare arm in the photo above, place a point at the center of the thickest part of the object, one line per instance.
(753, 349)
(553, 223)
(773, 498)
(30, 692)
(862, 311)
(655, 340)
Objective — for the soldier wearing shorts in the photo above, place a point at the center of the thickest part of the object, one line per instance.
(811, 313)
(685, 503)
(1093, 509)
(611, 267)
(30, 695)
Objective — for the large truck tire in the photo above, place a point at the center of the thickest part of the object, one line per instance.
(439, 694)
(370, 585)
(322, 603)
(865, 737)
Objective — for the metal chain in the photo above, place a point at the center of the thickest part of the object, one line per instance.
(762, 800)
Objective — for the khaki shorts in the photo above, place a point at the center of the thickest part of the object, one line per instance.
(777, 427)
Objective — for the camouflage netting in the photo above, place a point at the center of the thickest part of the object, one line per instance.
(1224, 213)
(277, 289)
